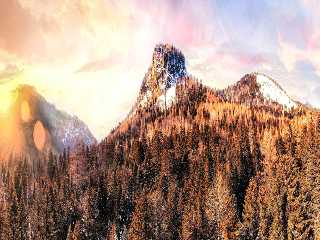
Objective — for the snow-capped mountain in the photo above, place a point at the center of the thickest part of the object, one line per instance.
(159, 84)
(258, 89)
(33, 126)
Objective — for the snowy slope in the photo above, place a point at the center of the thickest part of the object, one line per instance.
(273, 92)
(165, 100)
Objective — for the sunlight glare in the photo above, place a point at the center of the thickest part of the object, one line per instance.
(39, 135)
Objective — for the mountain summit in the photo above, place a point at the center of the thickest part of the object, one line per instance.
(167, 68)
(258, 89)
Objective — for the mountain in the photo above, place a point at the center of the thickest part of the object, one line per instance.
(168, 70)
(214, 164)
(34, 126)
(167, 84)
(189, 163)
(159, 84)
(260, 90)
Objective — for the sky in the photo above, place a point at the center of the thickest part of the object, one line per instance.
(89, 57)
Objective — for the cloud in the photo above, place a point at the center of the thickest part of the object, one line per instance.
(290, 53)
(108, 39)
(9, 72)
(266, 66)
(95, 66)
(18, 29)
(316, 97)
(221, 66)
(56, 38)
(74, 32)
(99, 65)
(233, 59)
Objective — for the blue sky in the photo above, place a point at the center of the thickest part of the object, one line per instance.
(280, 38)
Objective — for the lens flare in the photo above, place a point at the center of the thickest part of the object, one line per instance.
(39, 135)
(25, 111)
(5, 101)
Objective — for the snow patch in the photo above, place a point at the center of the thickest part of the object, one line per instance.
(71, 132)
(165, 100)
(271, 91)
(146, 98)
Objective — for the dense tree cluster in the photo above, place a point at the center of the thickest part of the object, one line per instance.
(202, 169)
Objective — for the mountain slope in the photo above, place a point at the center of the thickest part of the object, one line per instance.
(34, 126)
(258, 89)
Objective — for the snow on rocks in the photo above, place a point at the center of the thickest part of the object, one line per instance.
(165, 100)
(273, 92)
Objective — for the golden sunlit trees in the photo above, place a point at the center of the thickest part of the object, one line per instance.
(221, 208)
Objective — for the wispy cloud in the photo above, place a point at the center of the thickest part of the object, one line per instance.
(8, 72)
(291, 51)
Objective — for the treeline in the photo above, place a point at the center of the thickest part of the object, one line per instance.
(201, 169)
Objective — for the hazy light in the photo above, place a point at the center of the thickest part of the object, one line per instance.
(25, 111)
(39, 135)
(5, 101)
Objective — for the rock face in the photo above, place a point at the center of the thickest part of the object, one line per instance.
(167, 68)
(35, 126)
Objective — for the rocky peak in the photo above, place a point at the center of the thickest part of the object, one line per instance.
(168, 66)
